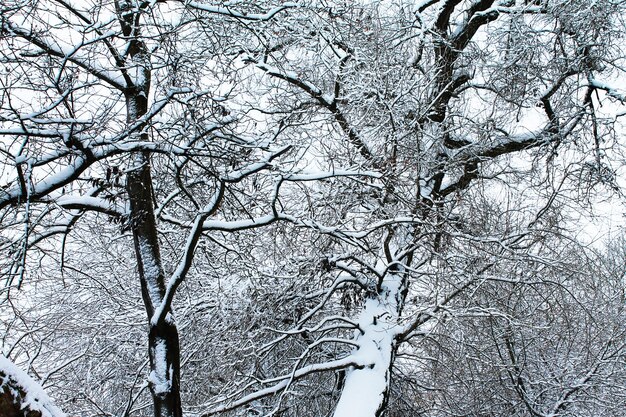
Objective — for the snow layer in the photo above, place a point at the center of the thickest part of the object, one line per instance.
(162, 375)
(365, 387)
(35, 398)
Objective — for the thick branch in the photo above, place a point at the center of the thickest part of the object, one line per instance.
(471, 155)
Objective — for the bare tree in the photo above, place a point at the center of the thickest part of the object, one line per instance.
(473, 125)
(542, 341)
(94, 97)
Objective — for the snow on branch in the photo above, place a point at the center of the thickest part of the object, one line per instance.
(92, 151)
(198, 228)
(227, 11)
(70, 55)
(240, 174)
(472, 155)
(23, 393)
(43, 187)
(92, 204)
(285, 380)
(323, 175)
(609, 89)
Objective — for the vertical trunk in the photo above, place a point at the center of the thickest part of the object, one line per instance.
(366, 389)
(163, 343)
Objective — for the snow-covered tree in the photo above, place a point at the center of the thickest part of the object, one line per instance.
(481, 129)
(98, 96)
(372, 204)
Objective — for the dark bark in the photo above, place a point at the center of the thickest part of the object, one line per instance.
(164, 334)
(12, 399)
(163, 341)
(143, 225)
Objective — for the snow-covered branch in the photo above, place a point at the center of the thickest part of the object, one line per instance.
(230, 12)
(19, 393)
(89, 203)
(70, 55)
(284, 381)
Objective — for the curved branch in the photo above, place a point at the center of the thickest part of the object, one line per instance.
(227, 11)
(285, 380)
(101, 74)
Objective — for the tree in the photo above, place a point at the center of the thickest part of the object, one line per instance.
(473, 124)
(542, 342)
(406, 162)
(93, 97)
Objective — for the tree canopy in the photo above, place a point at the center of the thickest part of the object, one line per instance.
(370, 208)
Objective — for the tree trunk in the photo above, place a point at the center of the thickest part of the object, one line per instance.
(366, 389)
(163, 343)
